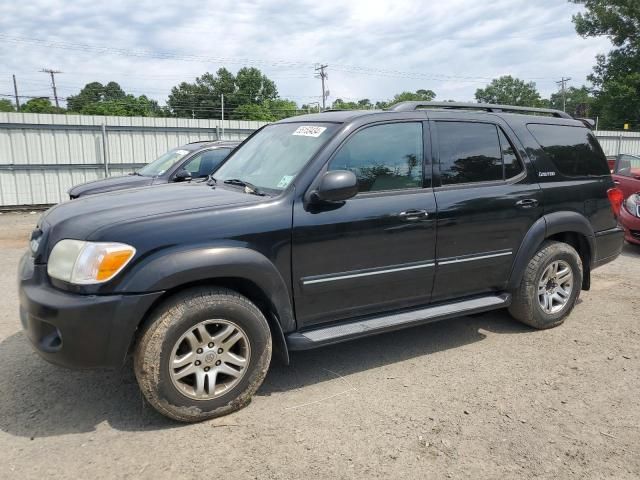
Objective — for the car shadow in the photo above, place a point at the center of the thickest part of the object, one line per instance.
(42, 400)
(630, 250)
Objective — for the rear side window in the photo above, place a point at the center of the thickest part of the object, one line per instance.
(475, 152)
(574, 151)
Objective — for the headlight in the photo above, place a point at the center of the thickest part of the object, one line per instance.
(632, 204)
(84, 263)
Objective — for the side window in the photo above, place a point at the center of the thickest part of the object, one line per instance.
(628, 166)
(384, 157)
(469, 152)
(512, 165)
(206, 162)
(193, 165)
(574, 151)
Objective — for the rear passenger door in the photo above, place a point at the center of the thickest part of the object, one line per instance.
(486, 203)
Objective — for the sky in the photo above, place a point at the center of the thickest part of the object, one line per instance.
(373, 49)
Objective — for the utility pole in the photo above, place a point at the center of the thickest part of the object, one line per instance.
(563, 89)
(322, 75)
(53, 83)
(15, 92)
(222, 116)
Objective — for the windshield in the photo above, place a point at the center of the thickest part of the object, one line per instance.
(163, 163)
(273, 157)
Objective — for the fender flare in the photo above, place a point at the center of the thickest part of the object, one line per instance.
(175, 267)
(544, 227)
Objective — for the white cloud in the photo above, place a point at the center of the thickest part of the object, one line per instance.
(455, 46)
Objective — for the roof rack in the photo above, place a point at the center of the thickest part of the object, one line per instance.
(487, 107)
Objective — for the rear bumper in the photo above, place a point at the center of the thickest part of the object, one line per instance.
(72, 330)
(608, 245)
(631, 225)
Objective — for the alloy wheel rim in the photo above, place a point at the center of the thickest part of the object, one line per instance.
(555, 287)
(209, 359)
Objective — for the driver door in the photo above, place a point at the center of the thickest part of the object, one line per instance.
(375, 251)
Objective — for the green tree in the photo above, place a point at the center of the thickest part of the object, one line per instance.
(40, 105)
(6, 106)
(616, 76)
(421, 95)
(508, 90)
(111, 99)
(281, 108)
(202, 99)
(363, 104)
(579, 101)
(253, 111)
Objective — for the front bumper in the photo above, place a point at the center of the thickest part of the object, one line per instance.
(74, 330)
(631, 226)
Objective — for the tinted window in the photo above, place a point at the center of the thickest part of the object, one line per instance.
(383, 157)
(469, 152)
(628, 166)
(206, 162)
(512, 165)
(574, 150)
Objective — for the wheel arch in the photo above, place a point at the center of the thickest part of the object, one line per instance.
(568, 227)
(245, 271)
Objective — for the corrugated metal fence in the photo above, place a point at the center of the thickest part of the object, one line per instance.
(614, 143)
(43, 155)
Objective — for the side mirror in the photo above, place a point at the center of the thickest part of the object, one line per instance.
(336, 186)
(182, 176)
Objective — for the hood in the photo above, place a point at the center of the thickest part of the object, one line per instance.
(110, 184)
(79, 218)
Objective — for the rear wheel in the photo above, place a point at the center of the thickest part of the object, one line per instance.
(204, 354)
(549, 288)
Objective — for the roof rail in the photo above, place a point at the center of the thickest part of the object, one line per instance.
(488, 107)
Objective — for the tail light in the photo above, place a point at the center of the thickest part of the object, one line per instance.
(616, 197)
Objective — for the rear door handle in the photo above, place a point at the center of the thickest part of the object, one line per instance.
(527, 203)
(413, 214)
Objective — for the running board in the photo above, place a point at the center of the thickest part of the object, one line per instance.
(394, 321)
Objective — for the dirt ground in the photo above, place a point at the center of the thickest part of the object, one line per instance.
(475, 397)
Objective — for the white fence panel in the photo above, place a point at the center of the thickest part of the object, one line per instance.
(43, 155)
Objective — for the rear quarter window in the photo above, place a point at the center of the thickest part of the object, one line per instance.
(574, 151)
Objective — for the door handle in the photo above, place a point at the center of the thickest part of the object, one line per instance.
(527, 203)
(413, 214)
(616, 182)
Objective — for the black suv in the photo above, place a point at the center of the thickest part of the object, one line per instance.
(316, 230)
(194, 160)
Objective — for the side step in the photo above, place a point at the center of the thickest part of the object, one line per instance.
(394, 321)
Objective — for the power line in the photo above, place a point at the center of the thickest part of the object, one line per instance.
(53, 82)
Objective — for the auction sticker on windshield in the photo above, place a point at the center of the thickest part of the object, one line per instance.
(309, 131)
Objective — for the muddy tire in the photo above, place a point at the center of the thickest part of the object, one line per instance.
(549, 288)
(203, 354)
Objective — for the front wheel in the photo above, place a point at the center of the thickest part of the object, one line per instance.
(204, 354)
(549, 288)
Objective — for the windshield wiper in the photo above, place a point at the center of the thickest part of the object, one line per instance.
(135, 173)
(248, 187)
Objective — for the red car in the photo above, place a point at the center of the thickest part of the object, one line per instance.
(626, 175)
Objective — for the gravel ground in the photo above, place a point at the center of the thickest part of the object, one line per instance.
(474, 397)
